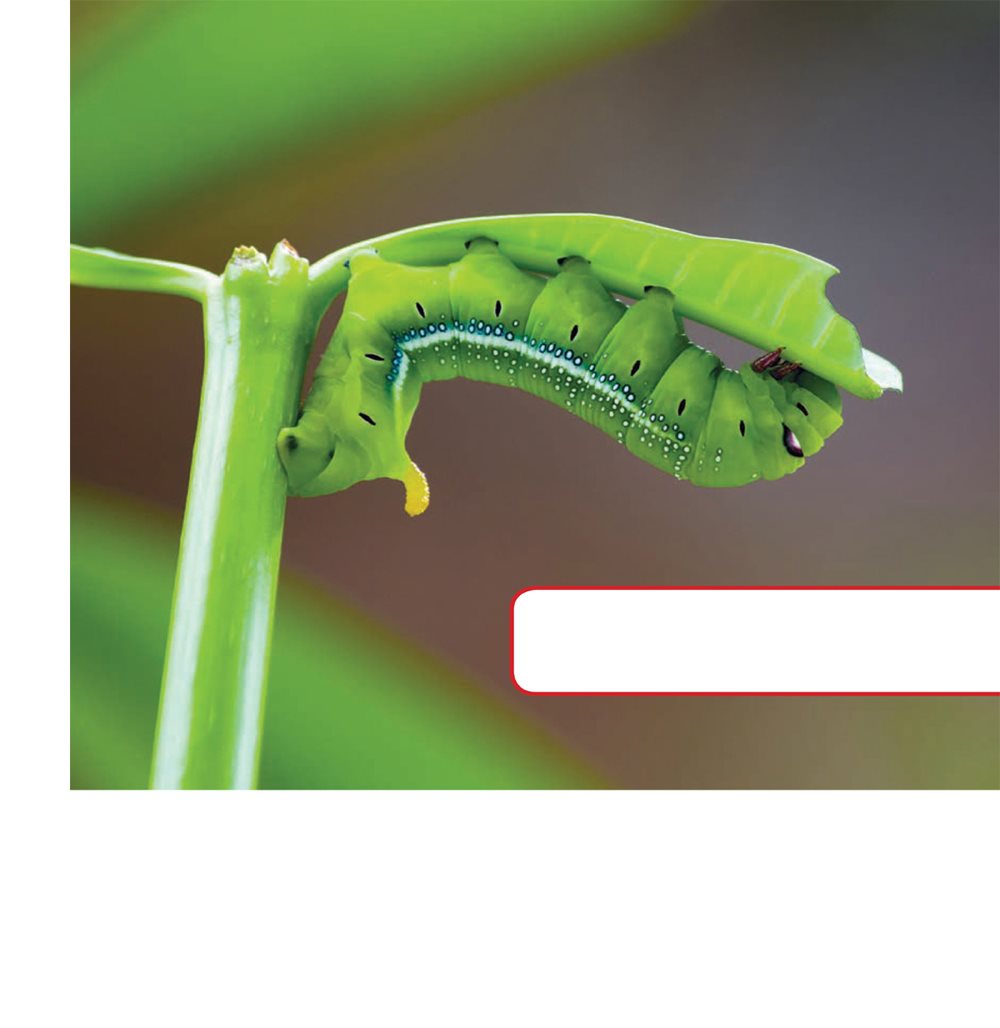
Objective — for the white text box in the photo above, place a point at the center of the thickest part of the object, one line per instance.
(764, 641)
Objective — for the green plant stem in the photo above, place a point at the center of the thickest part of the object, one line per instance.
(258, 329)
(106, 269)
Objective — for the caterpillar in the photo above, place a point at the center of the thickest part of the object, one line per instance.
(499, 306)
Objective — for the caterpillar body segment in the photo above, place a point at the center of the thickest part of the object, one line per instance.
(484, 271)
(629, 370)
(769, 296)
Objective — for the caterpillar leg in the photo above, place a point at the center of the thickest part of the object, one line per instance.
(785, 368)
(768, 361)
(772, 362)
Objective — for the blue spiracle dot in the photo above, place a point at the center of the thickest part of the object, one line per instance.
(558, 351)
(509, 336)
(430, 328)
(577, 361)
(442, 326)
(498, 330)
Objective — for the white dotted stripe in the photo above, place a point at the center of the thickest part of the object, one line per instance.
(544, 353)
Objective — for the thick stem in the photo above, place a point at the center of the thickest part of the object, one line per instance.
(258, 329)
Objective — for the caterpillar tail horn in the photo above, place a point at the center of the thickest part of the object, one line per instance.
(418, 494)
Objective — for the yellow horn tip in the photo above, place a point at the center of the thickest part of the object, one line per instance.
(418, 494)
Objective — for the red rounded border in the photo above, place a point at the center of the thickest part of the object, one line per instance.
(733, 588)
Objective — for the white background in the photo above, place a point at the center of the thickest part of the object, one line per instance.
(756, 640)
(465, 909)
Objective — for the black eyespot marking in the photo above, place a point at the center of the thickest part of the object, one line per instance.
(802, 408)
(635, 367)
(420, 309)
(561, 261)
(681, 406)
(329, 456)
(792, 445)
(365, 417)
(498, 308)
(743, 428)
(374, 357)
(573, 331)
(293, 443)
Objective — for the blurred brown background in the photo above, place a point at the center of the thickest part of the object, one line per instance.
(863, 133)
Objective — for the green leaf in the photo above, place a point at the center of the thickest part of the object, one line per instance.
(168, 97)
(349, 705)
(767, 295)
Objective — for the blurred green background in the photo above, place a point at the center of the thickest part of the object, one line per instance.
(863, 133)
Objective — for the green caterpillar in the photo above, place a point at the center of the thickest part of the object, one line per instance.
(465, 301)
